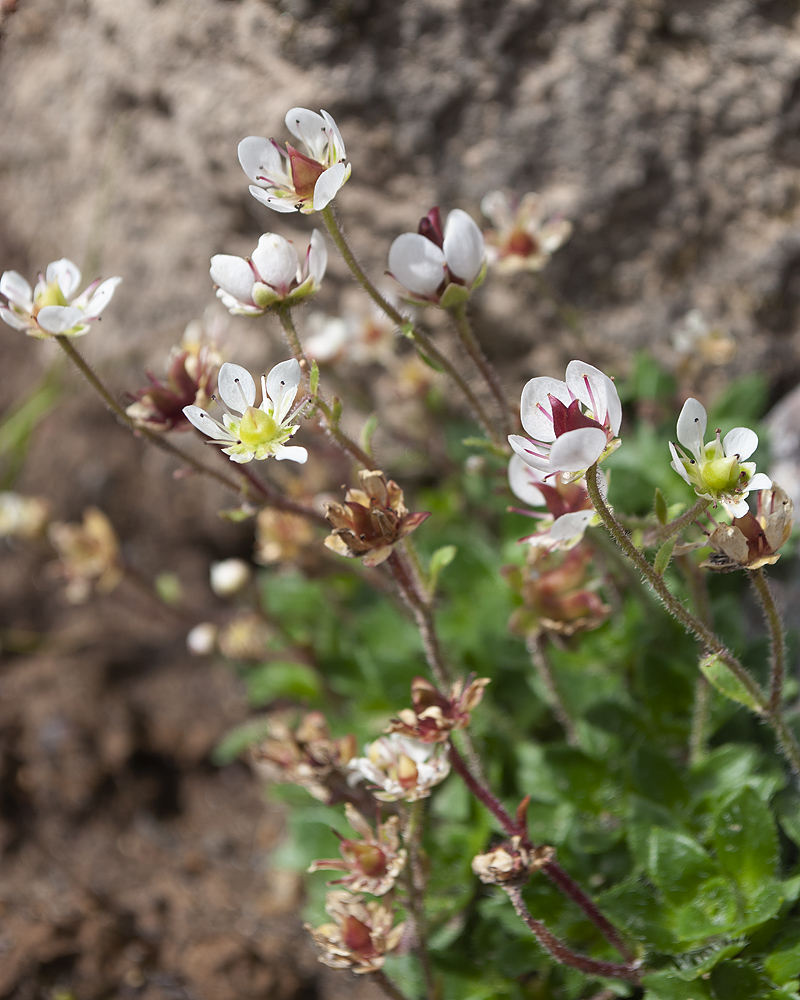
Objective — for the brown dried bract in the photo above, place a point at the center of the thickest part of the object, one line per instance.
(752, 541)
(361, 936)
(510, 862)
(435, 716)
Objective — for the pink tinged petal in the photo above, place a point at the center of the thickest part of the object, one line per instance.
(271, 201)
(417, 263)
(67, 275)
(291, 453)
(328, 183)
(282, 383)
(596, 391)
(17, 290)
(310, 128)
(536, 409)
(236, 387)
(531, 453)
(101, 298)
(578, 449)
(523, 482)
(338, 141)
(275, 260)
(571, 525)
(692, 424)
(261, 158)
(316, 258)
(740, 441)
(760, 481)
(14, 319)
(234, 275)
(463, 246)
(60, 319)
(678, 465)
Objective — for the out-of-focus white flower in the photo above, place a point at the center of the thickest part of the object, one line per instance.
(440, 265)
(292, 181)
(202, 639)
(522, 240)
(716, 470)
(249, 431)
(360, 337)
(572, 424)
(570, 510)
(229, 576)
(696, 341)
(251, 285)
(21, 516)
(52, 308)
(400, 768)
(89, 555)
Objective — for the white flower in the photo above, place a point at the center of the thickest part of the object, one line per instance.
(572, 424)
(250, 285)
(202, 639)
(440, 265)
(716, 470)
(570, 509)
(250, 431)
(292, 181)
(400, 767)
(361, 336)
(52, 308)
(521, 240)
(229, 576)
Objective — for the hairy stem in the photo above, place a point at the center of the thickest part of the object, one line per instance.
(423, 616)
(677, 524)
(536, 647)
(423, 342)
(702, 689)
(777, 640)
(390, 990)
(482, 363)
(416, 893)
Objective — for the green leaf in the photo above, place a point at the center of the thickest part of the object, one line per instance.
(282, 679)
(783, 962)
(440, 559)
(239, 739)
(746, 842)
(237, 514)
(168, 587)
(370, 426)
(678, 865)
(664, 555)
(336, 410)
(313, 379)
(739, 980)
(660, 505)
(727, 683)
(698, 963)
(665, 985)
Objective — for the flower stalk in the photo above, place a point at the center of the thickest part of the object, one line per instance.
(777, 640)
(461, 322)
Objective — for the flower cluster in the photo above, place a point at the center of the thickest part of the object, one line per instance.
(522, 239)
(361, 935)
(434, 716)
(52, 309)
(400, 768)
(572, 424)
(249, 431)
(372, 863)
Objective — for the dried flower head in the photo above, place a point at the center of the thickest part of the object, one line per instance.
(400, 768)
(89, 555)
(753, 541)
(435, 716)
(371, 520)
(361, 936)
(306, 755)
(281, 536)
(522, 238)
(372, 863)
(22, 516)
(510, 862)
(246, 637)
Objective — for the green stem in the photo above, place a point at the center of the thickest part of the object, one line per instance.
(284, 314)
(423, 342)
(482, 363)
(682, 520)
(536, 648)
(777, 640)
(702, 689)
(423, 616)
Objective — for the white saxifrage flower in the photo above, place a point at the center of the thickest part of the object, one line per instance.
(290, 180)
(522, 239)
(440, 265)
(52, 308)
(570, 510)
(251, 285)
(571, 424)
(248, 431)
(400, 768)
(717, 471)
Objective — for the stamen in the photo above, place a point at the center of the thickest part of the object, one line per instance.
(544, 411)
(591, 396)
(241, 390)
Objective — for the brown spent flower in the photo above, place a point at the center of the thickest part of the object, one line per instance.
(89, 555)
(245, 637)
(371, 520)
(510, 862)
(372, 863)
(752, 541)
(281, 536)
(434, 716)
(307, 756)
(361, 936)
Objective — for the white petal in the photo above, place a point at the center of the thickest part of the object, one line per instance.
(67, 275)
(571, 525)
(531, 454)
(261, 157)
(417, 263)
(464, 249)
(317, 257)
(736, 508)
(13, 319)
(282, 383)
(201, 420)
(310, 128)
(17, 290)
(596, 391)
(101, 298)
(497, 209)
(292, 453)
(234, 275)
(328, 183)
(760, 481)
(275, 260)
(236, 387)
(678, 465)
(59, 319)
(270, 200)
(577, 449)
(523, 481)
(692, 424)
(740, 441)
(536, 409)
(338, 142)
